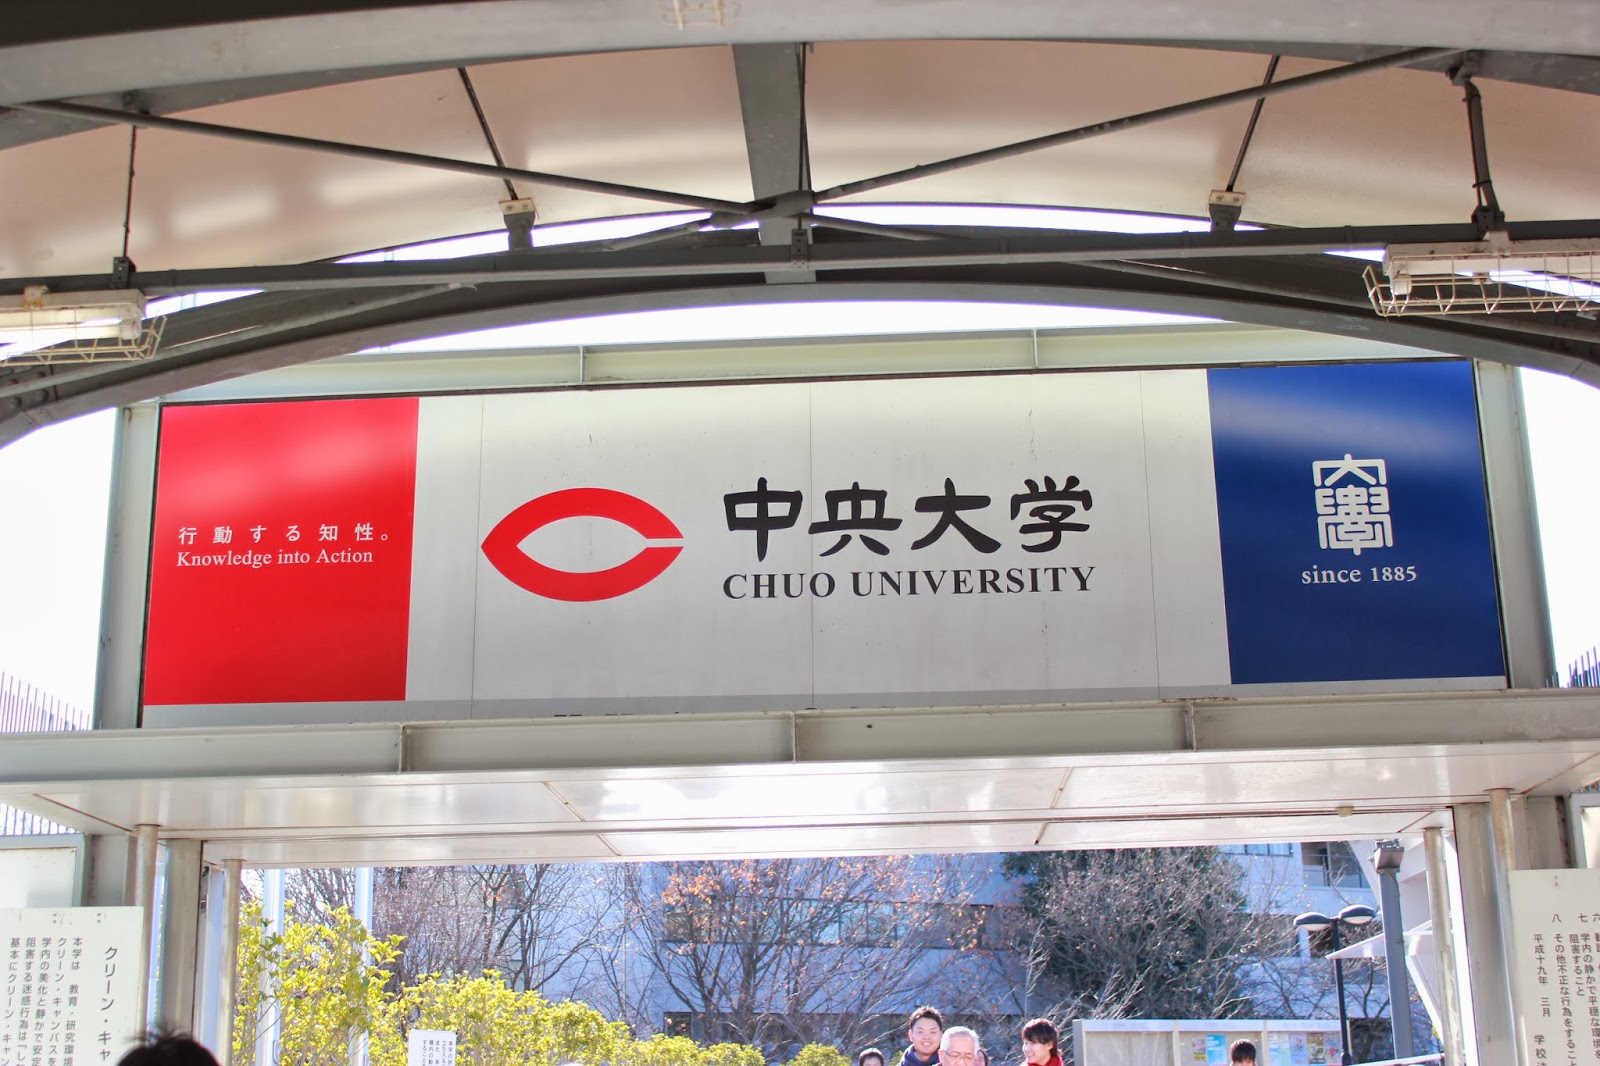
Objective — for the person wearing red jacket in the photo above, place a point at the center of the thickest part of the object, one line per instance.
(1041, 1044)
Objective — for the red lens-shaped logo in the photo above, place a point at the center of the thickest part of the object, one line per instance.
(502, 547)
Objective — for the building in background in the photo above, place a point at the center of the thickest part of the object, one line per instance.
(26, 709)
(786, 952)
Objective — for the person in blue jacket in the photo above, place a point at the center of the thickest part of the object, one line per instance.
(923, 1030)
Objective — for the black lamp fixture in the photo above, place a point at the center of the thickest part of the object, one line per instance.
(1355, 916)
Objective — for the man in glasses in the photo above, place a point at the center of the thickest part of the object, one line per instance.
(960, 1046)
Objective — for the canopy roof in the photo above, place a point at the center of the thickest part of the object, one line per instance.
(759, 110)
(762, 110)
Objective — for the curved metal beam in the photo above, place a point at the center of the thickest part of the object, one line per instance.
(74, 49)
(53, 394)
(733, 253)
(1571, 73)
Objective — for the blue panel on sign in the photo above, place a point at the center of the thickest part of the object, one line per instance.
(1355, 535)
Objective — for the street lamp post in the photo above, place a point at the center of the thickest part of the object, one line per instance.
(1312, 921)
(1387, 861)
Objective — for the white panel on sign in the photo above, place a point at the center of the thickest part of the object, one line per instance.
(678, 635)
(988, 600)
(431, 1047)
(449, 429)
(873, 543)
(1185, 549)
(71, 987)
(1555, 918)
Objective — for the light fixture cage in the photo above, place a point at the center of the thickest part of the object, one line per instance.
(45, 328)
(1493, 276)
(684, 12)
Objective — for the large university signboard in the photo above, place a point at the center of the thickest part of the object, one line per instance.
(860, 543)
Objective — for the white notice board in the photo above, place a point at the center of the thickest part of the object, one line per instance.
(71, 985)
(1555, 917)
(430, 1047)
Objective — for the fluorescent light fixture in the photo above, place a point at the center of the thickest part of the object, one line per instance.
(97, 316)
(46, 327)
(1486, 277)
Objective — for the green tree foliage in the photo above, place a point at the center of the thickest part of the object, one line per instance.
(663, 1050)
(324, 981)
(1135, 933)
(495, 1025)
(734, 1055)
(819, 1055)
(328, 981)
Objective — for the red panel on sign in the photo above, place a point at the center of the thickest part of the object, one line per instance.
(281, 562)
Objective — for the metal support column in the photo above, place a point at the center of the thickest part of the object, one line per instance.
(1394, 946)
(272, 907)
(107, 861)
(142, 873)
(1508, 473)
(125, 592)
(1480, 858)
(361, 908)
(1548, 832)
(219, 959)
(1505, 836)
(180, 936)
(210, 963)
(227, 963)
(1510, 853)
(1444, 947)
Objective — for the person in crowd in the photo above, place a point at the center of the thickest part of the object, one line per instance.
(1242, 1053)
(870, 1057)
(923, 1031)
(168, 1049)
(960, 1046)
(1041, 1044)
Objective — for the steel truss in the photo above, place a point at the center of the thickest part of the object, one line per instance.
(315, 311)
(312, 311)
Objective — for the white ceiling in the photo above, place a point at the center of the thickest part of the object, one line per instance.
(814, 783)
